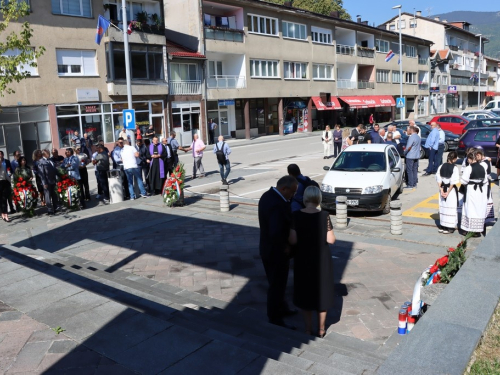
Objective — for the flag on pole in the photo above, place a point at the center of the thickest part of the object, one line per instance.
(102, 26)
(389, 56)
(129, 28)
(473, 76)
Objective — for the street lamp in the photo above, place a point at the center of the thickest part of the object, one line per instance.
(479, 73)
(400, 62)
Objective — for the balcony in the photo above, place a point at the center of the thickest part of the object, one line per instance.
(365, 52)
(345, 50)
(423, 61)
(226, 82)
(221, 33)
(346, 84)
(365, 85)
(185, 87)
(423, 86)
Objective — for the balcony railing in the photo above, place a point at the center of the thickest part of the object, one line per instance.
(218, 33)
(423, 86)
(185, 87)
(365, 52)
(226, 82)
(346, 84)
(423, 61)
(366, 85)
(346, 50)
(463, 81)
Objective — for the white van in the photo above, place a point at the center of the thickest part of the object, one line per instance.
(493, 105)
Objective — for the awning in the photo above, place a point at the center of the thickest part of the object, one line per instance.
(492, 93)
(320, 106)
(369, 101)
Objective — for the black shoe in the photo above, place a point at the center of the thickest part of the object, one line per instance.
(289, 312)
(50, 213)
(426, 174)
(281, 323)
(477, 234)
(224, 182)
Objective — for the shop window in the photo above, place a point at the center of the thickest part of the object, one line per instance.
(81, 8)
(66, 128)
(92, 126)
(146, 62)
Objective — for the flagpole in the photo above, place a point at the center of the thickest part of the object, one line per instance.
(127, 63)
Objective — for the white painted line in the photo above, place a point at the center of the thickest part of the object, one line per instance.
(255, 191)
(261, 152)
(218, 182)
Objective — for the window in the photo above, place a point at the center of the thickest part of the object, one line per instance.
(485, 136)
(146, 61)
(82, 8)
(319, 35)
(262, 25)
(382, 75)
(295, 70)
(382, 45)
(395, 47)
(214, 68)
(444, 80)
(411, 51)
(21, 68)
(403, 24)
(392, 27)
(322, 71)
(264, 69)
(413, 24)
(72, 62)
(395, 76)
(294, 30)
(183, 72)
(411, 77)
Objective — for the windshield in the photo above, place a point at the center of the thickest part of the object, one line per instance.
(490, 105)
(364, 161)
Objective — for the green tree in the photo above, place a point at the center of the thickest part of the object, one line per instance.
(15, 47)
(318, 6)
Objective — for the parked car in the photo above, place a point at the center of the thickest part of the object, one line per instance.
(369, 175)
(479, 114)
(453, 123)
(484, 137)
(493, 105)
(481, 123)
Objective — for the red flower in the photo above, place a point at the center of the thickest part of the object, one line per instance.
(433, 269)
(442, 261)
(20, 179)
(451, 249)
(177, 169)
(18, 184)
(59, 190)
(436, 279)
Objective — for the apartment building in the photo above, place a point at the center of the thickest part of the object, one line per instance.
(458, 69)
(79, 85)
(272, 68)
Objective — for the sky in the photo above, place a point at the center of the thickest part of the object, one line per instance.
(381, 10)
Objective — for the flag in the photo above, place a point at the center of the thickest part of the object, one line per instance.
(102, 26)
(129, 28)
(389, 56)
(473, 76)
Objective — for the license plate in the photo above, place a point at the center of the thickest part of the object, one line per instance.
(352, 202)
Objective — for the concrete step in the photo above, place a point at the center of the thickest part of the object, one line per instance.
(235, 323)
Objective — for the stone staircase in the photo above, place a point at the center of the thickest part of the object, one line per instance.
(234, 339)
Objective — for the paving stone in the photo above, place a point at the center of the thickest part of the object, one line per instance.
(10, 315)
(62, 346)
(30, 357)
(28, 285)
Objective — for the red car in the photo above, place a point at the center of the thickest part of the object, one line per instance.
(452, 123)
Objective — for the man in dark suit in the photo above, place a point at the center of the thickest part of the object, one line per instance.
(48, 174)
(275, 221)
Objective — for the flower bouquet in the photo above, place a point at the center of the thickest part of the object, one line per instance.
(24, 196)
(68, 192)
(173, 188)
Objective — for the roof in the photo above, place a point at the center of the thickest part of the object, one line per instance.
(176, 50)
(443, 54)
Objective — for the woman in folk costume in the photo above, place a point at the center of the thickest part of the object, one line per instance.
(461, 189)
(475, 197)
(447, 178)
(327, 139)
(486, 163)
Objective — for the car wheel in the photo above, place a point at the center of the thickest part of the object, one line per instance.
(422, 153)
(387, 207)
(446, 147)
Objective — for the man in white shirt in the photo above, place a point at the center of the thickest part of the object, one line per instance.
(396, 135)
(129, 157)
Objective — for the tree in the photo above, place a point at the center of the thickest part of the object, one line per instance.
(15, 48)
(318, 6)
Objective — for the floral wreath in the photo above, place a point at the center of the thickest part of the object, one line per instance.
(174, 185)
(24, 196)
(67, 191)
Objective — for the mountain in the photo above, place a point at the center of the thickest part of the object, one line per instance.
(486, 23)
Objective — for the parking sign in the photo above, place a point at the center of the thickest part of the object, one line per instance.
(129, 119)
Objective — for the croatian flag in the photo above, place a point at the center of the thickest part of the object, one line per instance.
(389, 56)
(102, 26)
(473, 76)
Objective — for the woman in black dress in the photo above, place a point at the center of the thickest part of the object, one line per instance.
(313, 271)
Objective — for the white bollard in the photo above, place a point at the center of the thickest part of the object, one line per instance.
(224, 198)
(396, 218)
(341, 212)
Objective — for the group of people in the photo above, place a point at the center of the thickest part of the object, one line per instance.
(292, 227)
(473, 198)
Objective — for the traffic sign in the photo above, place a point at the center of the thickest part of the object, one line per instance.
(400, 102)
(129, 119)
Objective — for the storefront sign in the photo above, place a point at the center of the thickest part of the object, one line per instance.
(434, 89)
(91, 109)
(226, 102)
(452, 89)
(87, 95)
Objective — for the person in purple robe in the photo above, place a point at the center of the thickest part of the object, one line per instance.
(156, 159)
